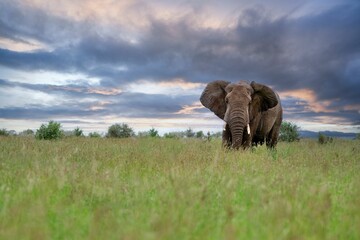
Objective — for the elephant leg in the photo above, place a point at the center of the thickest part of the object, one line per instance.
(254, 125)
(226, 136)
(272, 138)
(247, 138)
(257, 140)
(269, 139)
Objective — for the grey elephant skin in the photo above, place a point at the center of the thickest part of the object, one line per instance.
(252, 112)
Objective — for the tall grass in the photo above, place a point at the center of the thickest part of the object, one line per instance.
(81, 188)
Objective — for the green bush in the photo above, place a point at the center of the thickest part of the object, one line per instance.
(357, 137)
(153, 132)
(289, 132)
(49, 132)
(94, 135)
(4, 132)
(78, 132)
(189, 133)
(120, 131)
(323, 139)
(171, 135)
(27, 133)
(200, 134)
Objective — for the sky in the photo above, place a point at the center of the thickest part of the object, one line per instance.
(94, 63)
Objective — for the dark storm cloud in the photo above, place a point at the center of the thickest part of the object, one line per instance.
(296, 51)
(40, 60)
(20, 22)
(79, 90)
(46, 112)
(319, 51)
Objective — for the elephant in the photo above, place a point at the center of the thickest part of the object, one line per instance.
(252, 112)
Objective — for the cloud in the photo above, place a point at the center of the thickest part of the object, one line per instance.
(309, 96)
(310, 56)
(83, 101)
(173, 87)
(191, 109)
(80, 90)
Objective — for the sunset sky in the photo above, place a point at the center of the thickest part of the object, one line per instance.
(93, 63)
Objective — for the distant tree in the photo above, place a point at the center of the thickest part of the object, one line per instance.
(189, 133)
(323, 139)
(4, 132)
(208, 136)
(174, 135)
(27, 133)
(143, 134)
(50, 131)
(357, 137)
(120, 131)
(153, 132)
(12, 133)
(78, 132)
(67, 133)
(170, 135)
(200, 134)
(94, 135)
(289, 132)
(216, 135)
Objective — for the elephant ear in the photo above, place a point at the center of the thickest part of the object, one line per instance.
(213, 97)
(266, 96)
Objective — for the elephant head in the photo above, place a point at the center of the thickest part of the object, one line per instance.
(238, 104)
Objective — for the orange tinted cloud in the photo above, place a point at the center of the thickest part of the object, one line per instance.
(113, 91)
(355, 107)
(21, 46)
(190, 109)
(100, 91)
(181, 83)
(310, 97)
(99, 105)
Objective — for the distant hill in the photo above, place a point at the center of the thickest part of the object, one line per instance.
(310, 134)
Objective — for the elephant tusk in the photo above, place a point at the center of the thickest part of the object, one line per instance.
(248, 125)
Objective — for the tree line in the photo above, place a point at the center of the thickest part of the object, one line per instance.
(52, 130)
(289, 132)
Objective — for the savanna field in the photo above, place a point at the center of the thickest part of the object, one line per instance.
(146, 188)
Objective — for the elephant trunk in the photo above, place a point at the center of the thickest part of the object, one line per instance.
(238, 122)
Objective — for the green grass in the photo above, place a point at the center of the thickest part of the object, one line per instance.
(80, 188)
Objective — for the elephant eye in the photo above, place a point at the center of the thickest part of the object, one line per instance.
(226, 100)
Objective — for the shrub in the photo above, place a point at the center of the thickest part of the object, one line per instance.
(289, 132)
(49, 132)
(189, 133)
(67, 133)
(200, 134)
(27, 133)
(143, 134)
(78, 132)
(323, 139)
(94, 135)
(217, 135)
(4, 132)
(357, 137)
(171, 135)
(153, 132)
(120, 131)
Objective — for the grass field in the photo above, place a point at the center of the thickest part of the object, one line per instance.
(81, 188)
